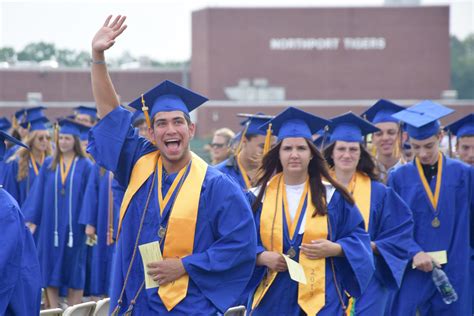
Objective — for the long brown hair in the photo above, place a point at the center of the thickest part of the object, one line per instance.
(77, 150)
(23, 155)
(365, 165)
(317, 170)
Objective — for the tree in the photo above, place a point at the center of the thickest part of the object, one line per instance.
(37, 52)
(7, 54)
(462, 66)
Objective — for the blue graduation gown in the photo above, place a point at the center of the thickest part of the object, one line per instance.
(417, 289)
(225, 239)
(391, 228)
(20, 288)
(18, 189)
(95, 212)
(353, 271)
(61, 266)
(230, 168)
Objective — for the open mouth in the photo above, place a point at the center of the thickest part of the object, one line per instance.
(172, 144)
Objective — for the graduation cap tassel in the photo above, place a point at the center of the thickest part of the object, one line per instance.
(268, 139)
(450, 147)
(145, 112)
(56, 239)
(70, 241)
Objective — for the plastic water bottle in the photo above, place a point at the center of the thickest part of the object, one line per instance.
(443, 285)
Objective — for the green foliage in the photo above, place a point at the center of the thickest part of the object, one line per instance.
(462, 66)
(7, 54)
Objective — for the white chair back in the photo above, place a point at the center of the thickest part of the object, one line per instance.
(102, 307)
(236, 311)
(83, 309)
(51, 312)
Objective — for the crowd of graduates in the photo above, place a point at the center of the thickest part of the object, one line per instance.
(366, 205)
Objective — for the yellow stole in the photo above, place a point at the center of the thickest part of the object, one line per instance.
(182, 222)
(439, 176)
(311, 296)
(360, 187)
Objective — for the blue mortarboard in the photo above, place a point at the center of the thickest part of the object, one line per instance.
(85, 132)
(4, 124)
(4, 136)
(168, 97)
(82, 109)
(293, 122)
(30, 114)
(422, 118)
(137, 115)
(253, 122)
(38, 124)
(349, 127)
(72, 128)
(463, 126)
(382, 111)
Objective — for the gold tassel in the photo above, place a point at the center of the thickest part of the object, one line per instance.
(145, 112)
(268, 139)
(56, 134)
(14, 122)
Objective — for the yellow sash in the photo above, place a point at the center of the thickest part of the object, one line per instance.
(64, 170)
(182, 222)
(34, 164)
(361, 189)
(311, 296)
(179, 240)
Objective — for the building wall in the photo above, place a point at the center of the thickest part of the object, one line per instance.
(67, 85)
(324, 53)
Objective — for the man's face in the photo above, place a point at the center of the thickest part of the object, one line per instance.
(253, 148)
(386, 138)
(172, 135)
(465, 149)
(426, 150)
(83, 119)
(219, 148)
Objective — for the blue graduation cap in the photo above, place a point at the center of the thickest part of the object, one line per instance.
(167, 97)
(253, 122)
(293, 122)
(84, 132)
(4, 124)
(82, 109)
(422, 119)
(3, 137)
(382, 112)
(30, 114)
(462, 127)
(72, 127)
(38, 124)
(349, 127)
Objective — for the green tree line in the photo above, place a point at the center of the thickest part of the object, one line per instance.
(462, 60)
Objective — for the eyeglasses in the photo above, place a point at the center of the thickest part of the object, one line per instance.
(216, 145)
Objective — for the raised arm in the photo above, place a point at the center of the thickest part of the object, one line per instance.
(102, 88)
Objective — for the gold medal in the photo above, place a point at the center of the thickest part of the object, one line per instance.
(435, 222)
(63, 192)
(161, 232)
(291, 252)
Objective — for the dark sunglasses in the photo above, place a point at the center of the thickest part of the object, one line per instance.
(216, 145)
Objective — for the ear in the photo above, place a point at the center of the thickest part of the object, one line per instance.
(192, 130)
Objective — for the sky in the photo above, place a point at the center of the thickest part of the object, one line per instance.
(160, 29)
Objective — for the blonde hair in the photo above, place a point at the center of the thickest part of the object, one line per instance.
(23, 155)
(225, 132)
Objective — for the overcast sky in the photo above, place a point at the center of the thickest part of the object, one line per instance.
(160, 29)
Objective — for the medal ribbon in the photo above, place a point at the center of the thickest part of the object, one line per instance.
(433, 199)
(33, 162)
(64, 169)
(243, 173)
(291, 224)
(164, 202)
